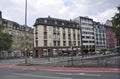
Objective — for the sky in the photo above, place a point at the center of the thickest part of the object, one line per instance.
(98, 10)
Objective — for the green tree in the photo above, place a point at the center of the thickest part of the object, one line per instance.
(5, 40)
(116, 25)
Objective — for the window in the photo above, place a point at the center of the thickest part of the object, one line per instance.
(69, 43)
(36, 43)
(74, 36)
(56, 22)
(69, 31)
(78, 37)
(45, 35)
(63, 36)
(45, 42)
(62, 23)
(85, 41)
(69, 36)
(54, 43)
(58, 43)
(54, 30)
(64, 43)
(83, 36)
(45, 28)
(45, 21)
(74, 43)
(78, 43)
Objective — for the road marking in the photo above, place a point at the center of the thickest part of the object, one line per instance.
(85, 74)
(40, 76)
(79, 70)
(82, 74)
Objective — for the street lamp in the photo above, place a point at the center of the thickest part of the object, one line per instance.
(25, 31)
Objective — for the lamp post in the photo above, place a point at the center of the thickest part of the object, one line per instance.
(25, 31)
(72, 54)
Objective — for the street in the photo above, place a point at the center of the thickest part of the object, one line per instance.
(15, 73)
(54, 69)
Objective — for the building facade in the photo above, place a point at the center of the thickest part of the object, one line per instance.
(53, 36)
(100, 37)
(18, 35)
(110, 36)
(87, 33)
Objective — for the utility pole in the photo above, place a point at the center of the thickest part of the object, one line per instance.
(72, 54)
(25, 31)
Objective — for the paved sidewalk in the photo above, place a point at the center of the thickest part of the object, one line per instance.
(63, 61)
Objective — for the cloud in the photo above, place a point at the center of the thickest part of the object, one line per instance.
(103, 16)
(99, 10)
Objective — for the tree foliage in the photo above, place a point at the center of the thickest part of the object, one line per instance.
(5, 40)
(116, 24)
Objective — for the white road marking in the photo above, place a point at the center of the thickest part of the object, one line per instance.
(82, 74)
(41, 76)
(65, 73)
(79, 70)
(85, 74)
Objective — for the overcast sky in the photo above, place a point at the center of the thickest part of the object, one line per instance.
(99, 10)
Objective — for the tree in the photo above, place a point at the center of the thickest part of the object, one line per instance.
(116, 25)
(5, 40)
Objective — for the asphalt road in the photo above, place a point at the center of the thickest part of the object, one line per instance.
(13, 73)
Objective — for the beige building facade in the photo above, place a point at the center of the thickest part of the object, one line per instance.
(18, 35)
(54, 36)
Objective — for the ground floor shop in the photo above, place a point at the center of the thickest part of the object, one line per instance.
(54, 51)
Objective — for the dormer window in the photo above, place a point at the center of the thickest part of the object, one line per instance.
(62, 23)
(45, 21)
(55, 22)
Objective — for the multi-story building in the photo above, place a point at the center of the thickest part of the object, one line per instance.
(87, 33)
(100, 37)
(110, 36)
(52, 36)
(18, 34)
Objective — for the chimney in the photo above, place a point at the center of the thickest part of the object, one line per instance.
(0, 14)
(48, 16)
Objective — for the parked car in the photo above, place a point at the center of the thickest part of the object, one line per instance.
(108, 52)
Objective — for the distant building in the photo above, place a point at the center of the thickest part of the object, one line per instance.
(110, 36)
(87, 32)
(18, 35)
(53, 36)
(100, 37)
(117, 38)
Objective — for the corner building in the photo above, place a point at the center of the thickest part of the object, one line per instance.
(53, 36)
(17, 32)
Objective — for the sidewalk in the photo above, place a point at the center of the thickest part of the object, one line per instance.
(114, 62)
